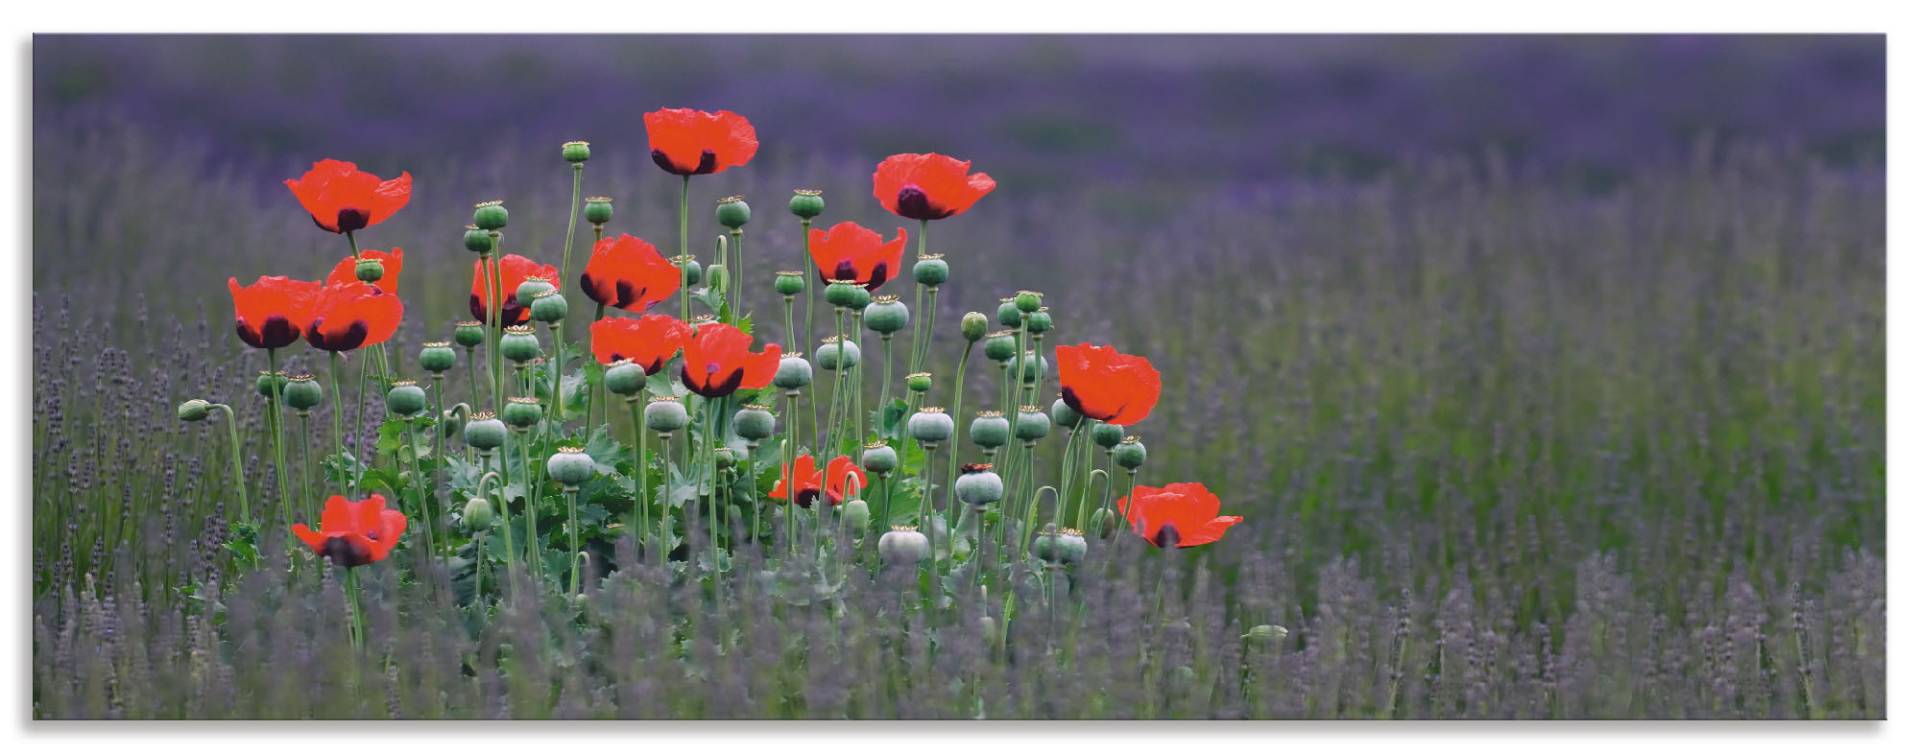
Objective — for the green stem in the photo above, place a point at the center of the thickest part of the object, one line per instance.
(420, 484)
(357, 631)
(334, 360)
(274, 418)
(306, 463)
(666, 517)
(534, 563)
(506, 517)
(239, 477)
(886, 376)
(959, 391)
(573, 218)
(360, 433)
(640, 519)
(789, 451)
(573, 534)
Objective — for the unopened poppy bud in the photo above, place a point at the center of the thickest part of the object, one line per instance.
(794, 372)
(806, 203)
(855, 515)
(485, 432)
(1039, 321)
(490, 215)
(1034, 368)
(1064, 415)
(930, 270)
(406, 399)
(1101, 524)
(1107, 435)
(626, 378)
(931, 425)
(195, 410)
(519, 344)
(369, 269)
(689, 269)
(477, 515)
(753, 423)
(599, 210)
(904, 546)
(1265, 634)
(1031, 425)
(732, 212)
(575, 152)
(973, 326)
(1008, 314)
(302, 392)
(436, 356)
(886, 315)
(843, 294)
(549, 307)
(978, 485)
(834, 352)
(1026, 301)
(1001, 346)
(724, 457)
(531, 288)
(1130, 453)
(477, 240)
(880, 458)
(789, 283)
(469, 334)
(665, 415)
(269, 381)
(920, 381)
(570, 467)
(989, 429)
(717, 277)
(522, 412)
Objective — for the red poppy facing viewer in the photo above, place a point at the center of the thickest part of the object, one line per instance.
(390, 261)
(354, 533)
(848, 251)
(719, 359)
(1183, 514)
(353, 315)
(514, 269)
(809, 484)
(628, 273)
(696, 142)
(271, 312)
(1105, 384)
(342, 198)
(649, 341)
(928, 186)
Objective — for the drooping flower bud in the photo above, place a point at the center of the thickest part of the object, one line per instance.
(1064, 415)
(886, 315)
(302, 392)
(1107, 435)
(194, 410)
(1001, 346)
(369, 269)
(570, 466)
(931, 425)
(732, 212)
(930, 270)
(920, 381)
(794, 372)
(753, 423)
(522, 412)
(599, 210)
(575, 152)
(626, 378)
(1101, 524)
(268, 381)
(978, 485)
(406, 399)
(665, 415)
(532, 287)
(789, 283)
(519, 344)
(477, 240)
(855, 515)
(1032, 424)
(490, 215)
(904, 546)
(484, 432)
(880, 458)
(834, 352)
(989, 429)
(1008, 314)
(469, 334)
(436, 356)
(973, 326)
(549, 307)
(717, 276)
(1039, 321)
(806, 203)
(1026, 301)
(1268, 634)
(1130, 453)
(477, 515)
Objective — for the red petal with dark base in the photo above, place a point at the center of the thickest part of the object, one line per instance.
(695, 142)
(850, 252)
(271, 312)
(342, 198)
(628, 273)
(649, 340)
(514, 269)
(1183, 514)
(928, 186)
(353, 315)
(390, 262)
(719, 360)
(1106, 384)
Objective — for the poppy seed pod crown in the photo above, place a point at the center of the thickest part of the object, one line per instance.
(665, 415)
(484, 432)
(570, 466)
(436, 356)
(753, 423)
(626, 378)
(989, 430)
(806, 203)
(732, 212)
(575, 152)
(789, 283)
(302, 393)
(490, 215)
(930, 270)
(469, 334)
(599, 210)
(794, 372)
(477, 240)
(522, 412)
(886, 315)
(880, 458)
(931, 425)
(406, 399)
(973, 326)
(920, 381)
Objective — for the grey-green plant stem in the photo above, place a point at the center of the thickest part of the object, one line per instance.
(239, 477)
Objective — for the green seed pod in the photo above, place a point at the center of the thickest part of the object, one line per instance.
(833, 352)
(930, 270)
(920, 381)
(436, 356)
(1064, 415)
(369, 269)
(1039, 321)
(1101, 524)
(880, 458)
(931, 425)
(1001, 346)
(570, 467)
(302, 392)
(549, 307)
(1008, 314)
(855, 515)
(1072, 546)
(886, 315)
(531, 288)
(794, 372)
(689, 269)
(1031, 425)
(843, 294)
(469, 334)
(789, 283)
(1026, 301)
(1268, 634)
(904, 546)
(1130, 453)
(1034, 367)
(626, 378)
(732, 212)
(1046, 546)
(724, 457)
(519, 344)
(989, 429)
(522, 412)
(599, 210)
(861, 297)
(973, 326)
(477, 240)
(490, 215)
(268, 381)
(195, 410)
(575, 152)
(1107, 435)
(978, 485)
(806, 203)
(477, 515)
(484, 432)
(406, 399)
(753, 423)
(665, 415)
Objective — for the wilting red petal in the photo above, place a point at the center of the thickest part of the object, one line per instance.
(390, 261)
(1105, 384)
(271, 312)
(514, 269)
(695, 142)
(353, 315)
(928, 186)
(649, 341)
(719, 360)
(342, 198)
(628, 273)
(848, 251)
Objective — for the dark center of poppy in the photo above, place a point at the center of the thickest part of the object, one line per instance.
(914, 204)
(350, 219)
(1167, 537)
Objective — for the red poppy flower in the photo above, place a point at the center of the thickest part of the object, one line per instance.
(848, 251)
(514, 269)
(628, 273)
(719, 359)
(697, 142)
(1184, 514)
(270, 312)
(1106, 384)
(343, 199)
(389, 261)
(649, 340)
(352, 315)
(810, 486)
(354, 533)
(928, 186)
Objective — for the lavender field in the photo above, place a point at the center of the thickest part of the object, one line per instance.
(1548, 375)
